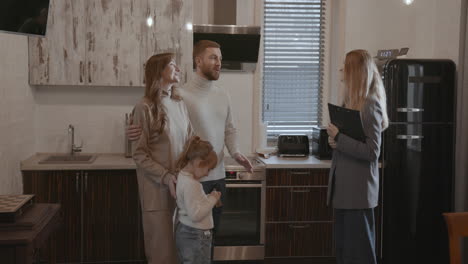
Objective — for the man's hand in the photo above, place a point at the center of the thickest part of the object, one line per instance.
(242, 160)
(133, 132)
(170, 180)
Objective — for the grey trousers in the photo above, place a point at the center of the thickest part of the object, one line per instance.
(193, 245)
(355, 236)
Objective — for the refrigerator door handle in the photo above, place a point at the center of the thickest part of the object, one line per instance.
(409, 110)
(409, 137)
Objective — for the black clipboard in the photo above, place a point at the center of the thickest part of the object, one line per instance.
(348, 121)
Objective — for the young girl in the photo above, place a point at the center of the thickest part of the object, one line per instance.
(193, 233)
(354, 176)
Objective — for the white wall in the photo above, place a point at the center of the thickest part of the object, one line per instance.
(430, 28)
(384, 24)
(97, 113)
(16, 111)
(447, 29)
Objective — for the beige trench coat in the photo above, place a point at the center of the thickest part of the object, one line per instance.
(155, 155)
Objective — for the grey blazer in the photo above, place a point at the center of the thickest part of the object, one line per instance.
(354, 174)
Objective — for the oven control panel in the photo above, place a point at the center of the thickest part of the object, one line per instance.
(245, 176)
(231, 175)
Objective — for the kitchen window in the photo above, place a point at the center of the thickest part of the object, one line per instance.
(293, 66)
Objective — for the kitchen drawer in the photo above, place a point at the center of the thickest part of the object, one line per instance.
(297, 204)
(297, 177)
(299, 240)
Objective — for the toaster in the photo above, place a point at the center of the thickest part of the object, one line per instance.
(293, 145)
(320, 147)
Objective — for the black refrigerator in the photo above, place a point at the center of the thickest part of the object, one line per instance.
(418, 155)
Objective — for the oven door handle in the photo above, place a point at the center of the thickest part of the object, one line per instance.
(244, 185)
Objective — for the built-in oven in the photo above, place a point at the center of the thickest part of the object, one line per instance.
(241, 232)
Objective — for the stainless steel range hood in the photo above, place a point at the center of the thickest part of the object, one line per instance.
(239, 44)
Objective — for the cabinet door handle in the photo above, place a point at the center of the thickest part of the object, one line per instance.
(299, 173)
(77, 185)
(299, 226)
(81, 71)
(243, 185)
(409, 137)
(86, 181)
(89, 71)
(300, 191)
(409, 110)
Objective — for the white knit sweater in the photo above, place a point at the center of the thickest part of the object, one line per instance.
(210, 114)
(194, 206)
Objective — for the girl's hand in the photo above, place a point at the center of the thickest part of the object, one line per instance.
(332, 130)
(215, 194)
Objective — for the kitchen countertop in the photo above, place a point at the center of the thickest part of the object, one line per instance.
(104, 161)
(309, 162)
(117, 161)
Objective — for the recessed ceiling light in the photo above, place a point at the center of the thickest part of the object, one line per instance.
(408, 2)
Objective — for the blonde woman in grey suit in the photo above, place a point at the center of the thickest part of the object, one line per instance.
(166, 128)
(354, 176)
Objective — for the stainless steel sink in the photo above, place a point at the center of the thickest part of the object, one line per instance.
(68, 159)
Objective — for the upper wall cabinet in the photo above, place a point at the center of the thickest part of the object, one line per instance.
(171, 32)
(113, 42)
(60, 57)
(107, 42)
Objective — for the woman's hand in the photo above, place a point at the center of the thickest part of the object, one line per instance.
(170, 180)
(332, 130)
(332, 143)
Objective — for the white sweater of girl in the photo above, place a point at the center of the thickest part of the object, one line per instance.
(194, 206)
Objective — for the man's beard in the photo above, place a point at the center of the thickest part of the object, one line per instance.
(211, 75)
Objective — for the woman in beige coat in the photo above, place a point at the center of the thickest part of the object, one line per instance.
(165, 125)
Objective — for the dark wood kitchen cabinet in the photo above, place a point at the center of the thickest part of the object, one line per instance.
(101, 214)
(299, 225)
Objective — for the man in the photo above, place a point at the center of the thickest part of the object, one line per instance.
(210, 114)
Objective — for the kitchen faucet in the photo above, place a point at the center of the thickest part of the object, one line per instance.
(74, 149)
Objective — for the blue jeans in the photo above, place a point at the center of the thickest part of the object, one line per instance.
(193, 245)
(355, 236)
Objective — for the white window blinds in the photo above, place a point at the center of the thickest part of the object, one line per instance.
(293, 65)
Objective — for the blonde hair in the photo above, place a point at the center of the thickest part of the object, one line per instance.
(154, 68)
(362, 81)
(195, 148)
